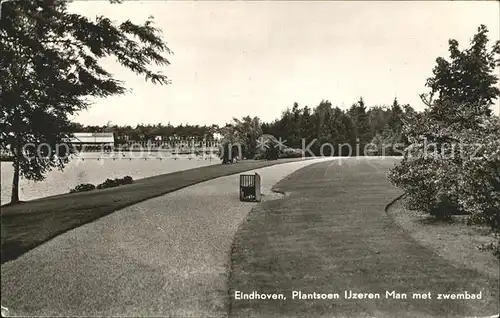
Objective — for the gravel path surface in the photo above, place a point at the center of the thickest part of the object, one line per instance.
(165, 256)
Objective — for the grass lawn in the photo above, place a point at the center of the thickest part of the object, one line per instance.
(332, 235)
(454, 240)
(29, 224)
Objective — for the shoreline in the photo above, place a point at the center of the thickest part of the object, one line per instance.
(91, 170)
(37, 221)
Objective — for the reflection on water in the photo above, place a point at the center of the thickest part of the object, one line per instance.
(91, 170)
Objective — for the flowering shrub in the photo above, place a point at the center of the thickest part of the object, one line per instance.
(452, 164)
(290, 153)
(450, 169)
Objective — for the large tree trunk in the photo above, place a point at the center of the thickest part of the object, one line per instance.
(14, 198)
(225, 153)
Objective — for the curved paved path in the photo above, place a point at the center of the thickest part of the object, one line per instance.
(165, 256)
(331, 234)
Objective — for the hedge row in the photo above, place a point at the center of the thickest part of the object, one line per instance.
(109, 183)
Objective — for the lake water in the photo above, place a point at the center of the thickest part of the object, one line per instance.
(91, 170)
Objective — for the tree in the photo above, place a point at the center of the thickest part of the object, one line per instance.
(307, 125)
(295, 138)
(452, 164)
(469, 78)
(231, 137)
(244, 132)
(361, 125)
(395, 120)
(286, 125)
(49, 67)
(378, 118)
(391, 139)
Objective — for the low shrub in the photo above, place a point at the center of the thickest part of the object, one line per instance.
(127, 180)
(273, 153)
(290, 153)
(108, 183)
(83, 188)
(260, 156)
(270, 153)
(111, 183)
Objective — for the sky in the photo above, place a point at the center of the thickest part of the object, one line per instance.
(237, 58)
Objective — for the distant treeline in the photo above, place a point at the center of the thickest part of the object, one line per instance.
(331, 125)
(299, 126)
(149, 132)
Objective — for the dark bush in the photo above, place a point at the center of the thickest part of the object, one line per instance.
(128, 180)
(445, 207)
(82, 188)
(110, 183)
(272, 153)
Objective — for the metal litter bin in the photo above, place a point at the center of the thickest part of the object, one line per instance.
(250, 187)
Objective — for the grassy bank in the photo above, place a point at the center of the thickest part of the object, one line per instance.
(453, 240)
(29, 224)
